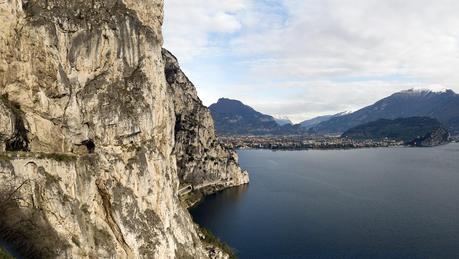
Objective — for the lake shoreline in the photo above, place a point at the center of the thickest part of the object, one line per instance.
(320, 142)
(362, 203)
(342, 148)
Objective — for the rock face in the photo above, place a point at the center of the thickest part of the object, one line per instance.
(202, 161)
(92, 152)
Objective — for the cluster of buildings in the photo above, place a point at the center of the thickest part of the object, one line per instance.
(302, 142)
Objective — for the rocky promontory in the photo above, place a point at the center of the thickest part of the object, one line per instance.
(99, 133)
(204, 165)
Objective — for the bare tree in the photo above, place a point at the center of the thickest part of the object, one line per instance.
(10, 194)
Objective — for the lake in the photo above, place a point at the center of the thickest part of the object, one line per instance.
(365, 203)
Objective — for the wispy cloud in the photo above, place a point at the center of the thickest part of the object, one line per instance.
(192, 26)
(306, 57)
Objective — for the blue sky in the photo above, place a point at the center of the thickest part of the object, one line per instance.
(303, 58)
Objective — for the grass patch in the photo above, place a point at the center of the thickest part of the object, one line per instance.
(4, 157)
(211, 239)
(4, 254)
(59, 157)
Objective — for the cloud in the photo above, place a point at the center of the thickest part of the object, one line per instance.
(189, 24)
(307, 57)
(359, 38)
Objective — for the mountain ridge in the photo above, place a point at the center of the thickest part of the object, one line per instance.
(232, 117)
(282, 120)
(415, 131)
(310, 123)
(443, 106)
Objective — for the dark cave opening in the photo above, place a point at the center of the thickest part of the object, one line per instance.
(90, 145)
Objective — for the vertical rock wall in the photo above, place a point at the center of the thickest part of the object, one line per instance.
(88, 133)
(203, 163)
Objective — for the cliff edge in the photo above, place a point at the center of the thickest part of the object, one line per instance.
(96, 145)
(204, 165)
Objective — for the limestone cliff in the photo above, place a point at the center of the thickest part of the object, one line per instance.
(204, 164)
(95, 142)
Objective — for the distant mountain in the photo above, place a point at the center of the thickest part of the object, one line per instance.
(317, 120)
(443, 106)
(281, 121)
(232, 117)
(418, 131)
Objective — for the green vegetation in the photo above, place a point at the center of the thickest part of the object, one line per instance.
(403, 129)
(59, 157)
(4, 254)
(211, 239)
(19, 142)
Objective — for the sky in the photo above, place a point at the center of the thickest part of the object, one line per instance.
(304, 58)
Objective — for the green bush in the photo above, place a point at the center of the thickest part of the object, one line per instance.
(211, 239)
(59, 157)
(4, 254)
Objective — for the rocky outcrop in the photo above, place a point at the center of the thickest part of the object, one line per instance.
(92, 153)
(203, 162)
(439, 136)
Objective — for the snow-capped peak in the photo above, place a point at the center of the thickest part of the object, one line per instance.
(343, 113)
(423, 91)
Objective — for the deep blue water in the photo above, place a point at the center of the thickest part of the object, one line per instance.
(9, 250)
(367, 203)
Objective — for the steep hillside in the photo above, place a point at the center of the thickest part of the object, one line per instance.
(92, 135)
(419, 131)
(232, 117)
(443, 106)
(281, 121)
(202, 161)
(311, 123)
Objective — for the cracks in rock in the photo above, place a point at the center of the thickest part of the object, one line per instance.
(110, 219)
(20, 140)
